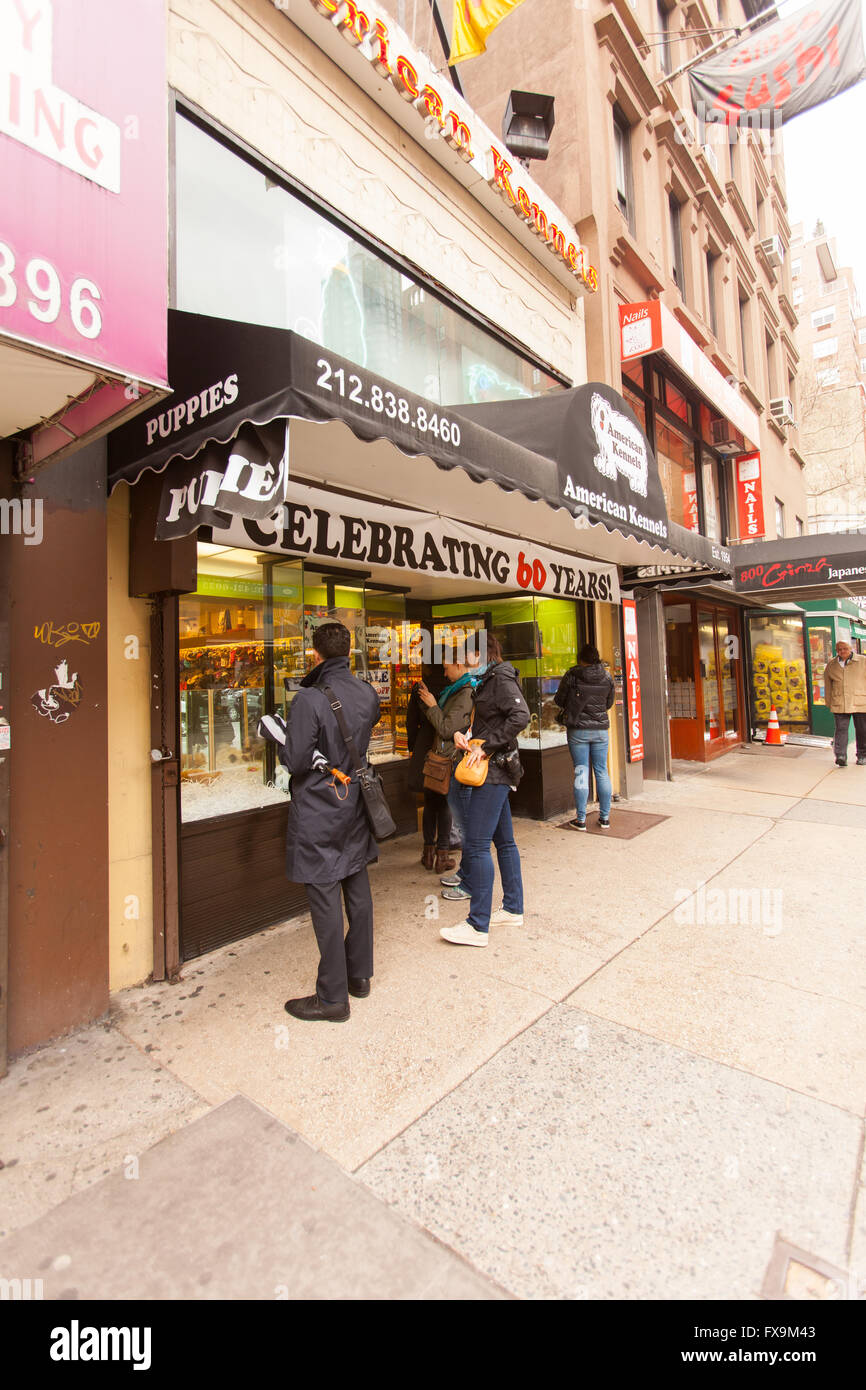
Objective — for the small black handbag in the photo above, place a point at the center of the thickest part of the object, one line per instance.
(368, 779)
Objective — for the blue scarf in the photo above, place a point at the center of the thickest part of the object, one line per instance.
(449, 690)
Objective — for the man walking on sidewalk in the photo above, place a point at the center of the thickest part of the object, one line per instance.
(845, 680)
(329, 843)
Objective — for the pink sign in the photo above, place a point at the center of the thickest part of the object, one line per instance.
(83, 168)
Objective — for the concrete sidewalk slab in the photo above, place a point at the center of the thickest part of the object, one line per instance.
(702, 794)
(853, 817)
(586, 1161)
(236, 1206)
(783, 996)
(72, 1111)
(796, 778)
(844, 785)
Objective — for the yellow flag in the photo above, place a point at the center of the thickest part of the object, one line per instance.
(473, 21)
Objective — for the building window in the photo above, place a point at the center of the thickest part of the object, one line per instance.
(798, 525)
(822, 318)
(795, 270)
(303, 271)
(744, 329)
(664, 22)
(780, 518)
(825, 349)
(830, 377)
(799, 296)
(712, 314)
(675, 214)
(770, 345)
(622, 165)
(861, 336)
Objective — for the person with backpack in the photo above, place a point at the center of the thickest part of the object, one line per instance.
(585, 694)
(499, 713)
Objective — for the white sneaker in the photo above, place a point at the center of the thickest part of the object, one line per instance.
(464, 935)
(501, 918)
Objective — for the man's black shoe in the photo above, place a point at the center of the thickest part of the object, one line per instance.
(312, 1008)
(861, 762)
(841, 762)
(359, 989)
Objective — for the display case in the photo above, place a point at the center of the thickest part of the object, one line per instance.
(778, 670)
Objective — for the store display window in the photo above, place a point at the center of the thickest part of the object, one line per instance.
(778, 669)
(821, 650)
(541, 638)
(245, 642)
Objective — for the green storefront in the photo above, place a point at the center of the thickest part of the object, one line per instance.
(790, 646)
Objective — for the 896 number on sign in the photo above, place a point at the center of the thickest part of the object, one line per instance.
(42, 290)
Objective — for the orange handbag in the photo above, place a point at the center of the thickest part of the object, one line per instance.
(472, 776)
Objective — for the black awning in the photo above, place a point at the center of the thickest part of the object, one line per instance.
(226, 374)
(828, 563)
(582, 449)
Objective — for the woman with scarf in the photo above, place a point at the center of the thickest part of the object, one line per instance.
(447, 714)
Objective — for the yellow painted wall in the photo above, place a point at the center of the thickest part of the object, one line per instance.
(130, 940)
(608, 642)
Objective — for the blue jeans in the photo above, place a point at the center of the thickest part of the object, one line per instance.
(489, 819)
(458, 802)
(585, 745)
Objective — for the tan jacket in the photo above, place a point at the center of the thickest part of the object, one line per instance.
(845, 686)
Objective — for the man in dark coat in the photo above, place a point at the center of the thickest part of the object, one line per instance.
(329, 843)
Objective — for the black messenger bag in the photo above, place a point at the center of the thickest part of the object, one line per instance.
(368, 779)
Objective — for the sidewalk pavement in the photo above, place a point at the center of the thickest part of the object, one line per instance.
(654, 1089)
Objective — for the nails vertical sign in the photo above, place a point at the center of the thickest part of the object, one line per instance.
(750, 497)
(634, 717)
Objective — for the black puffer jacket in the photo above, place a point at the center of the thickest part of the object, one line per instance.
(499, 713)
(585, 695)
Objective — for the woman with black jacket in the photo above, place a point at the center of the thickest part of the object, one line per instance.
(499, 712)
(586, 693)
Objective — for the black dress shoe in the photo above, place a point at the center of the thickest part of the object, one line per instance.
(359, 989)
(312, 1008)
(841, 762)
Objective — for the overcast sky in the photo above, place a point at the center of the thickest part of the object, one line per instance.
(825, 159)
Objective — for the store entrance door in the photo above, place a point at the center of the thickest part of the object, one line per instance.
(705, 700)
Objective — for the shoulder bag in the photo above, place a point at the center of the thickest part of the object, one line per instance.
(368, 779)
(474, 776)
(436, 772)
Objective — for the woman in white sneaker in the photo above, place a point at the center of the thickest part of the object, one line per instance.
(499, 712)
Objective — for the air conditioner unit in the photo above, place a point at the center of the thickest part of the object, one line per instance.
(773, 250)
(782, 411)
(710, 156)
(727, 439)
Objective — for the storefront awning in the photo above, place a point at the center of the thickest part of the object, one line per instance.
(581, 450)
(829, 564)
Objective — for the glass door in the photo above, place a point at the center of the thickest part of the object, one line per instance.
(713, 721)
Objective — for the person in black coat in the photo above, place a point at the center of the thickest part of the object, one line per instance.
(499, 713)
(585, 694)
(420, 738)
(328, 841)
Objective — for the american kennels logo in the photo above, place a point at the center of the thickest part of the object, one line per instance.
(77, 1343)
(621, 447)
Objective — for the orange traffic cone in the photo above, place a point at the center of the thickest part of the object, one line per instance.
(774, 738)
(714, 726)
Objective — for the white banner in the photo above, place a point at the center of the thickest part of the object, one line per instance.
(348, 531)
